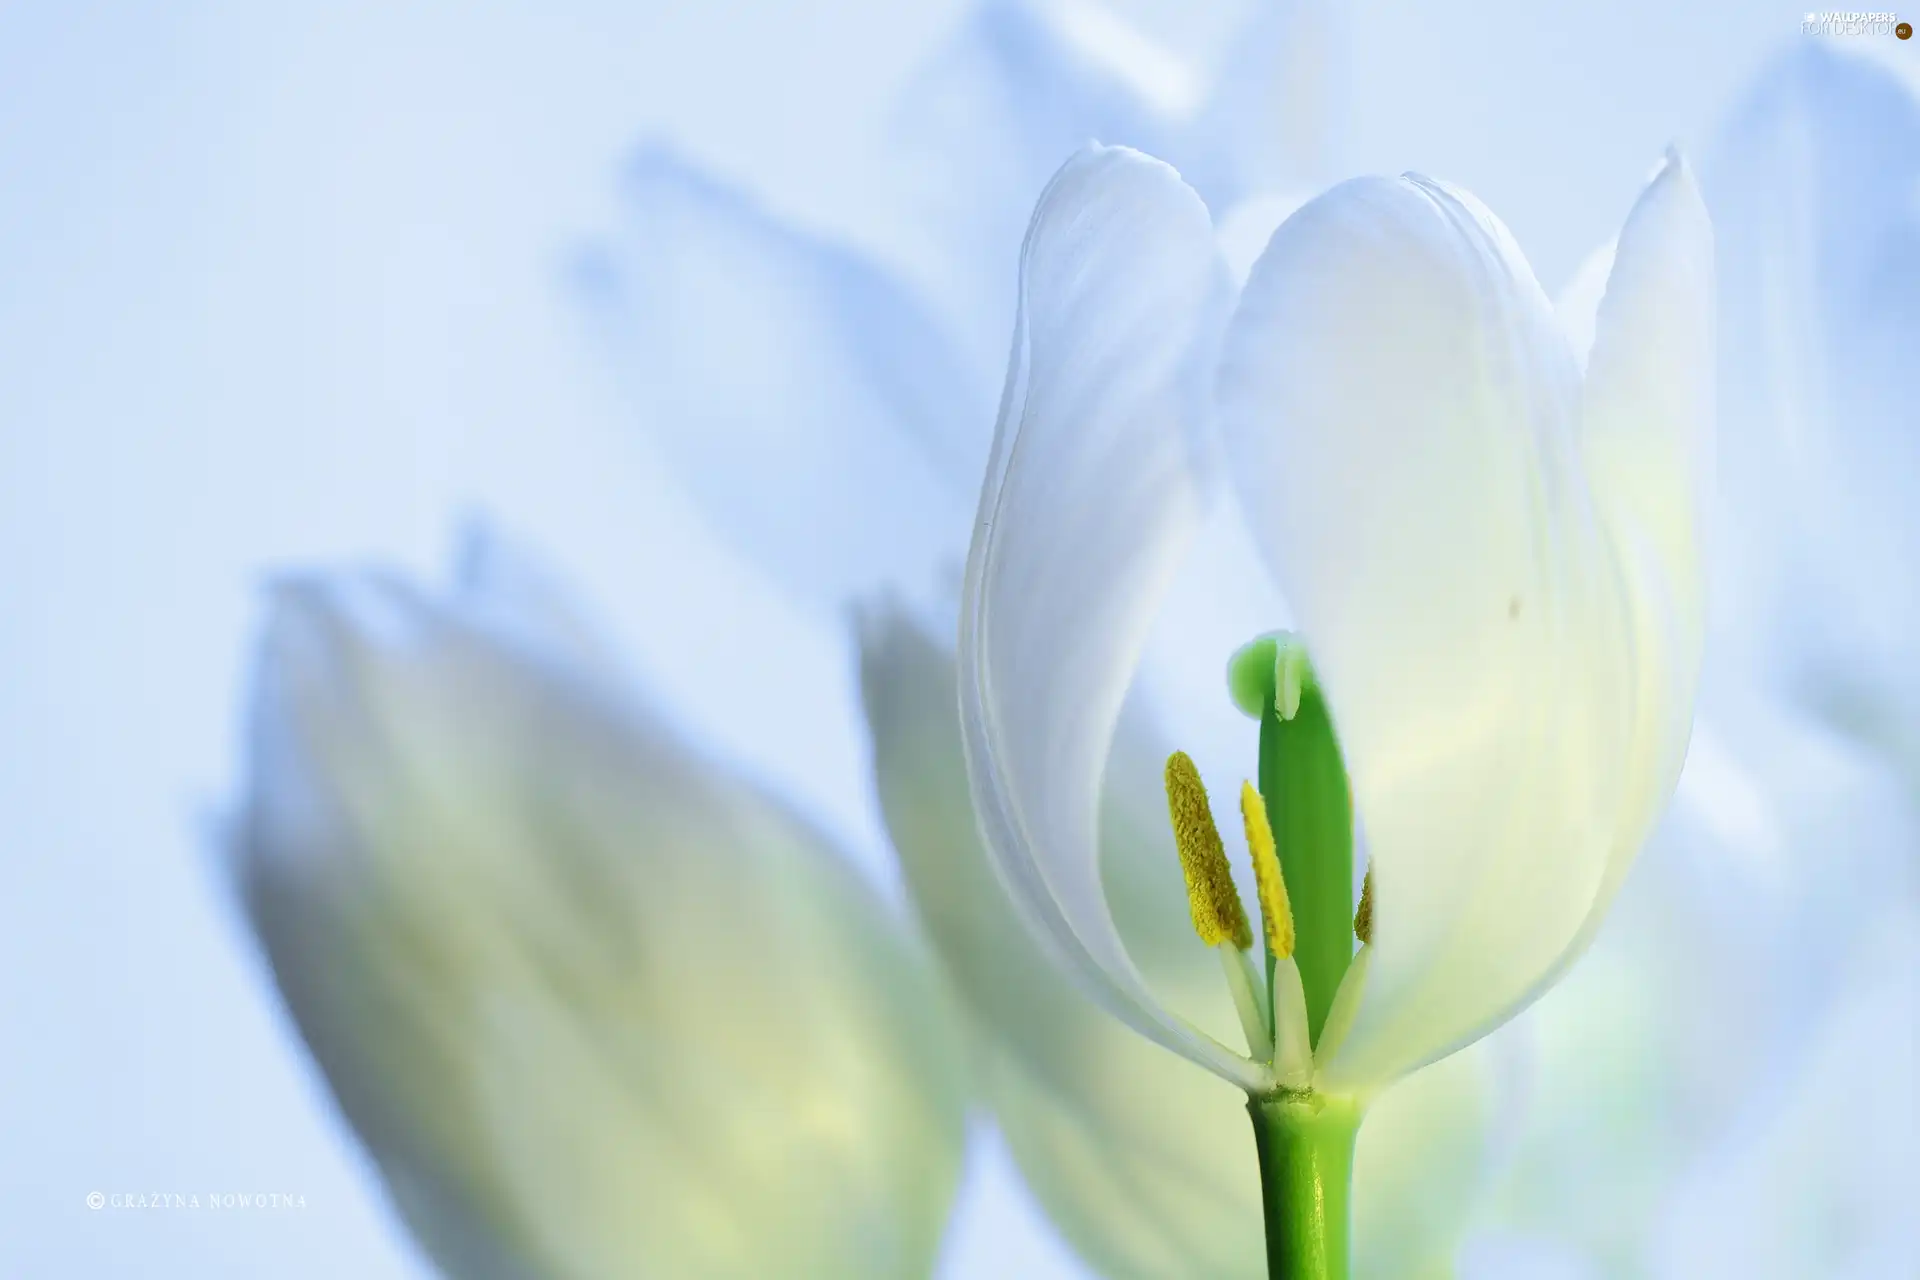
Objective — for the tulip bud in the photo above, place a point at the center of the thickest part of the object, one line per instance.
(595, 1006)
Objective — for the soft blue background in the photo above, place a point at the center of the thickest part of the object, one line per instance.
(285, 283)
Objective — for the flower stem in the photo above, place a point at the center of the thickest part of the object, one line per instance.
(1305, 1141)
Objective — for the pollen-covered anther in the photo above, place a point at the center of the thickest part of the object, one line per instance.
(1276, 912)
(1363, 918)
(1217, 914)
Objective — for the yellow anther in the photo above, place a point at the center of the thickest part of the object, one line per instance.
(1276, 912)
(1217, 914)
(1363, 918)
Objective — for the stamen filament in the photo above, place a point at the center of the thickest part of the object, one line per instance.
(1249, 1000)
(1292, 1050)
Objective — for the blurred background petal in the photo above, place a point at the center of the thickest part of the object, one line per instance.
(1815, 192)
(1822, 1182)
(595, 1006)
(816, 410)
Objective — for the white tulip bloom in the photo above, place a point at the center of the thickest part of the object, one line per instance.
(595, 1006)
(1136, 1158)
(1490, 558)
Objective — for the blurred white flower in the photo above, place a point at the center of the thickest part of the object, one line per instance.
(1814, 188)
(595, 1006)
(1491, 559)
(1142, 1163)
(829, 405)
(816, 408)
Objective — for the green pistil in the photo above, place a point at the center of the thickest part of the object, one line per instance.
(1303, 782)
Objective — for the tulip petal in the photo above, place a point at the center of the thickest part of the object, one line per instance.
(1400, 411)
(1578, 303)
(1646, 428)
(1090, 497)
(1268, 124)
(506, 588)
(809, 403)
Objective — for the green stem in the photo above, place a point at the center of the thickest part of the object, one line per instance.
(1305, 1141)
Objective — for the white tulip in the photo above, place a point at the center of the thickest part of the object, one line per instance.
(1490, 558)
(595, 1006)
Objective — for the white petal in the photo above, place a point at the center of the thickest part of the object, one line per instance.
(1269, 122)
(1089, 499)
(818, 414)
(908, 687)
(508, 589)
(1400, 409)
(1578, 303)
(543, 956)
(1646, 432)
